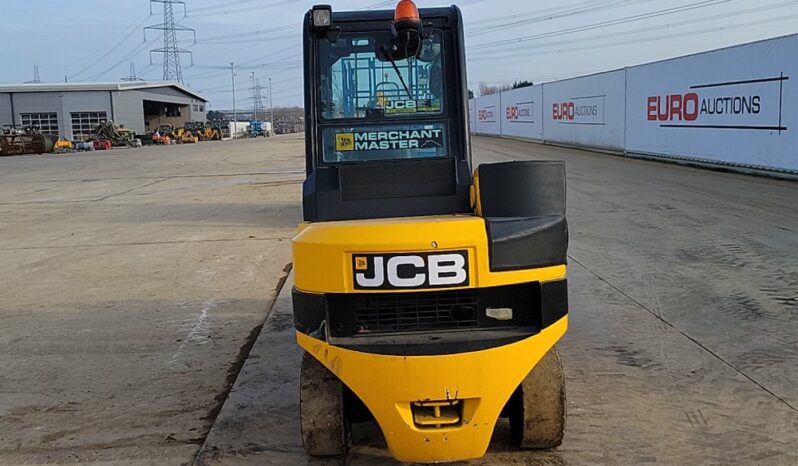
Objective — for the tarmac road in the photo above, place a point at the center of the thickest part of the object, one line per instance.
(133, 280)
(131, 283)
(683, 339)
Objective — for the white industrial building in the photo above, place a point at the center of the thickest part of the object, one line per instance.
(72, 110)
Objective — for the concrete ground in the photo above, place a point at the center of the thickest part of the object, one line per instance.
(133, 283)
(135, 279)
(683, 296)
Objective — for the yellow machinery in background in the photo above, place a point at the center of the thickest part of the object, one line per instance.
(184, 136)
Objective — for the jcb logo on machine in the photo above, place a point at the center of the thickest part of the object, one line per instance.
(345, 141)
(410, 271)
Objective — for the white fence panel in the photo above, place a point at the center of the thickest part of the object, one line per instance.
(472, 114)
(735, 105)
(522, 112)
(586, 111)
(488, 114)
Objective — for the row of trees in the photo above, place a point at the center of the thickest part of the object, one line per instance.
(485, 89)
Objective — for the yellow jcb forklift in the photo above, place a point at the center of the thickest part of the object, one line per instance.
(429, 296)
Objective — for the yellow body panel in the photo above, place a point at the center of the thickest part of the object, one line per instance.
(323, 251)
(483, 380)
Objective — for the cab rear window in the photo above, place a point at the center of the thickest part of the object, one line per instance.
(359, 81)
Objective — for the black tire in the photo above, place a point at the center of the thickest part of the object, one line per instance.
(322, 415)
(537, 408)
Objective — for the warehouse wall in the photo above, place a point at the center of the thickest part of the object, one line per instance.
(61, 103)
(41, 102)
(89, 101)
(197, 108)
(730, 106)
(6, 117)
(129, 110)
(86, 101)
(129, 107)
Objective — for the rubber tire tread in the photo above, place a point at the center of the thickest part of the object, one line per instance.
(537, 408)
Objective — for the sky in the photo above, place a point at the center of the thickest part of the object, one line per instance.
(506, 40)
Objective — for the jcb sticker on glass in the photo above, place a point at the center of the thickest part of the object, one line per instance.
(344, 141)
(410, 271)
(413, 106)
(390, 140)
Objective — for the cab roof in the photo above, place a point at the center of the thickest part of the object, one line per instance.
(387, 15)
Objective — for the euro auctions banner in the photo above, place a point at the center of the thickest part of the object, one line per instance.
(586, 111)
(488, 114)
(521, 112)
(736, 105)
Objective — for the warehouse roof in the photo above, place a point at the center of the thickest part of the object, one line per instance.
(108, 86)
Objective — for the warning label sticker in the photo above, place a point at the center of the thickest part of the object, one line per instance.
(389, 140)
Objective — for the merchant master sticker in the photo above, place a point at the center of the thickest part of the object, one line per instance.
(389, 140)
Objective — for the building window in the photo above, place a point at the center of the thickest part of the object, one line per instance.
(196, 108)
(202, 108)
(84, 123)
(47, 123)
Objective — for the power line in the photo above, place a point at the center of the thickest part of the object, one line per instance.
(244, 10)
(512, 51)
(603, 24)
(140, 48)
(469, 25)
(525, 20)
(212, 39)
(508, 47)
(172, 71)
(239, 2)
(113, 48)
(221, 89)
(282, 66)
(726, 27)
(652, 39)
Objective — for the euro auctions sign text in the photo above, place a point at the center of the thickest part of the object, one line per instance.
(487, 114)
(579, 111)
(520, 112)
(753, 104)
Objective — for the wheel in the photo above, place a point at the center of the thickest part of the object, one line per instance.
(321, 410)
(537, 408)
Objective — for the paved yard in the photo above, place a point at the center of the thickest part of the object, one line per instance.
(133, 282)
(136, 281)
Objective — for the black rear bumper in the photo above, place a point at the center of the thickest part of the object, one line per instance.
(431, 322)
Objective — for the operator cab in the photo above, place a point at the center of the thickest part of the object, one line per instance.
(386, 105)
